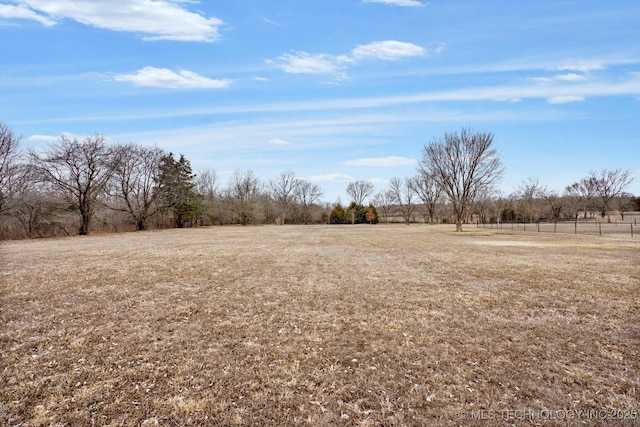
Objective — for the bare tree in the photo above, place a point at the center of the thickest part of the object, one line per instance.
(81, 169)
(556, 204)
(584, 191)
(483, 203)
(429, 192)
(531, 192)
(36, 210)
(243, 191)
(462, 164)
(284, 189)
(624, 202)
(11, 172)
(134, 181)
(308, 193)
(207, 187)
(609, 184)
(207, 183)
(383, 200)
(359, 190)
(403, 194)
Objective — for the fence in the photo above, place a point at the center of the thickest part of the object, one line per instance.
(618, 228)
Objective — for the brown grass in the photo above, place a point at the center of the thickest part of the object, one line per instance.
(318, 325)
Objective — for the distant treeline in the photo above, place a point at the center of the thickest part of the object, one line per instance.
(77, 186)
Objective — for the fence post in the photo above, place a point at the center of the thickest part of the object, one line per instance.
(555, 225)
(576, 228)
(600, 228)
(538, 226)
(632, 231)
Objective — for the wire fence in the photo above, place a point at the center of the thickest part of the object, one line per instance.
(619, 228)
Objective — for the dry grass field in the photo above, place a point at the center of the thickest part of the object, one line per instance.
(320, 325)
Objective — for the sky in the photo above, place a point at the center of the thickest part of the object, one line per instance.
(332, 90)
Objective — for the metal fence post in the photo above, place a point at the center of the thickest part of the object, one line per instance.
(576, 228)
(600, 228)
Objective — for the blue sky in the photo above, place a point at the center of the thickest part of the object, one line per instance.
(334, 90)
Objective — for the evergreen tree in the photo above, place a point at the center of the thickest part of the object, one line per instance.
(176, 190)
(338, 215)
(371, 215)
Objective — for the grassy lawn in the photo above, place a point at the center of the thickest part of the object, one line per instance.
(319, 325)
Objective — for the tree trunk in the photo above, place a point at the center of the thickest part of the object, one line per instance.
(85, 215)
(459, 212)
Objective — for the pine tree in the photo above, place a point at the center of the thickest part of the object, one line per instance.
(176, 190)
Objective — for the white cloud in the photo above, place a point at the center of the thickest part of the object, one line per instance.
(626, 87)
(21, 11)
(378, 181)
(387, 50)
(388, 161)
(306, 63)
(277, 141)
(271, 21)
(583, 66)
(298, 62)
(54, 138)
(570, 77)
(405, 3)
(43, 138)
(163, 77)
(156, 19)
(332, 177)
(564, 99)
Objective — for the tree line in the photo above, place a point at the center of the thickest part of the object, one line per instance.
(456, 182)
(79, 185)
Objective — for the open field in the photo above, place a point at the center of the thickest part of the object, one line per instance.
(320, 325)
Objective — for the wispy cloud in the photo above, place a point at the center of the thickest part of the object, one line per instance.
(343, 177)
(583, 66)
(278, 141)
(21, 11)
(259, 79)
(389, 161)
(43, 138)
(305, 63)
(625, 86)
(38, 138)
(271, 21)
(404, 3)
(156, 19)
(165, 78)
(299, 62)
(564, 99)
(570, 77)
(389, 50)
